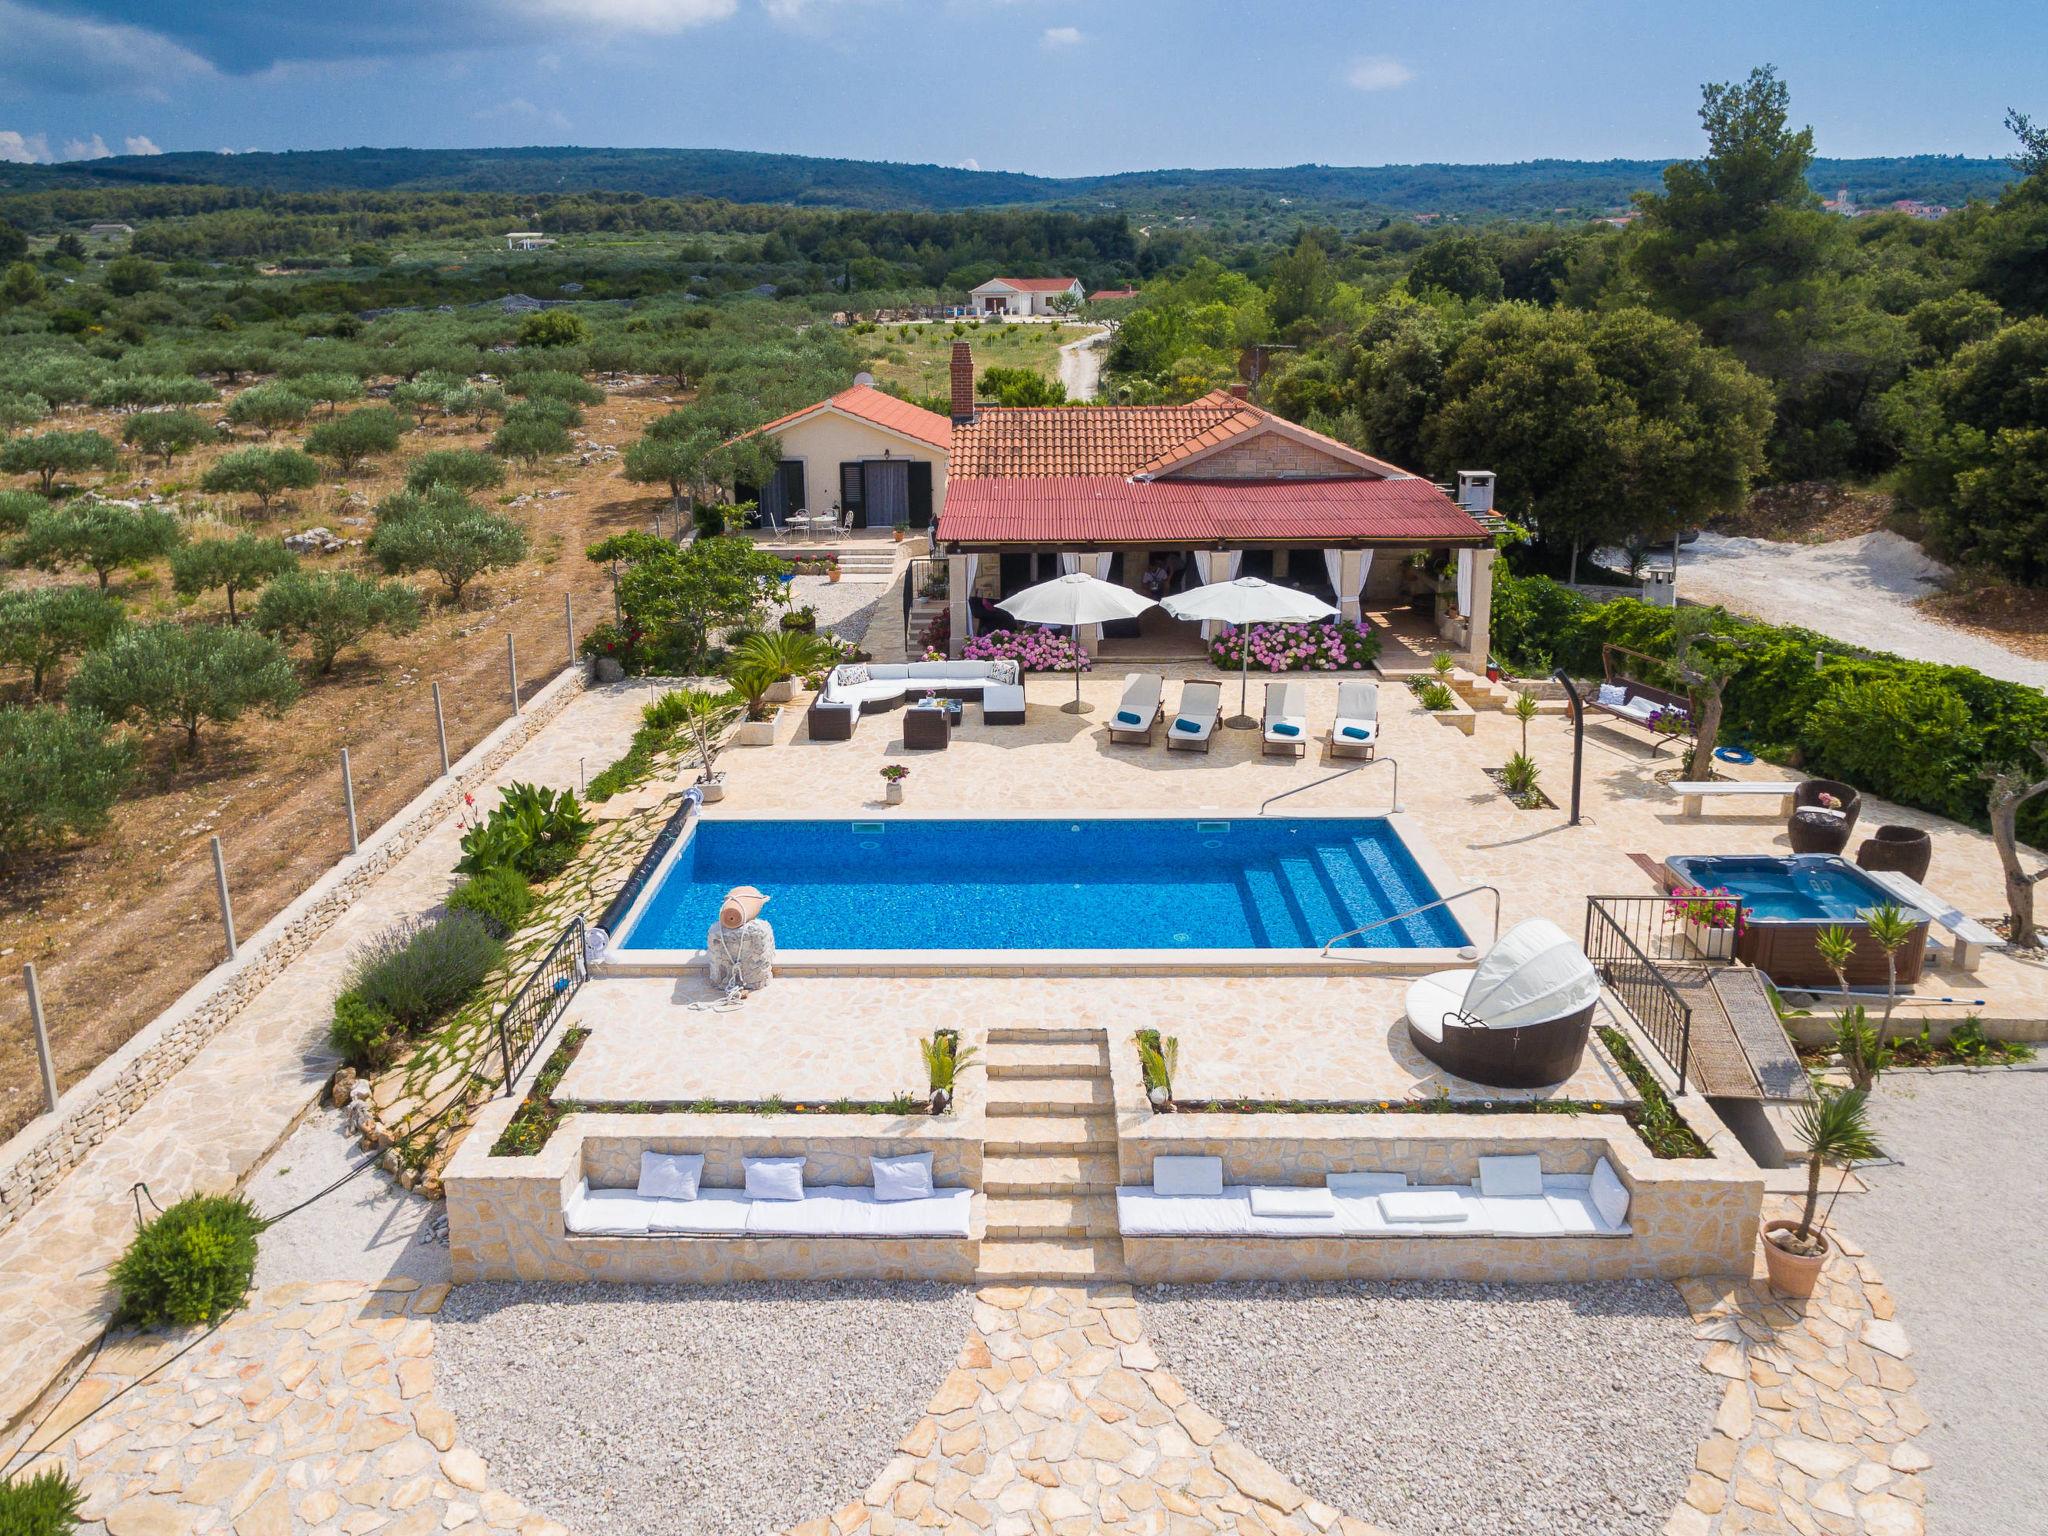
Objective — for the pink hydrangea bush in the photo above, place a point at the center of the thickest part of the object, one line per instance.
(1035, 650)
(1342, 647)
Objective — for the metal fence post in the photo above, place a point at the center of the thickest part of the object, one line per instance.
(35, 1014)
(348, 795)
(441, 729)
(220, 886)
(512, 668)
(569, 623)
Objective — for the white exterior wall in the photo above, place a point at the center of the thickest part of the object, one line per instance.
(824, 441)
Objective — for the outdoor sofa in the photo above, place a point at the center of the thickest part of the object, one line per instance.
(856, 688)
(665, 1205)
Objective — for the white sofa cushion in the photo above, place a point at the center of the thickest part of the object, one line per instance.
(775, 1178)
(608, 1213)
(1293, 1200)
(1425, 1205)
(1520, 1216)
(1002, 696)
(671, 1175)
(1187, 1175)
(1511, 1176)
(942, 1213)
(1353, 1184)
(887, 671)
(1609, 1195)
(714, 1213)
(901, 1178)
(851, 1210)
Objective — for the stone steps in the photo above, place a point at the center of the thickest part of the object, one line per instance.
(1062, 1260)
(1052, 1059)
(1053, 1216)
(1047, 1096)
(1045, 1034)
(1086, 1173)
(1042, 1135)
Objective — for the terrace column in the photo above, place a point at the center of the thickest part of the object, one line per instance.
(959, 584)
(1479, 640)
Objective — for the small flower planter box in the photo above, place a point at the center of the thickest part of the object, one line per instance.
(782, 692)
(758, 733)
(1712, 943)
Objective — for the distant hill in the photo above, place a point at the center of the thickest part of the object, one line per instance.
(1529, 189)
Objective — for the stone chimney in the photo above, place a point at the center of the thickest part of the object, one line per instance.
(963, 382)
(1475, 491)
(1240, 392)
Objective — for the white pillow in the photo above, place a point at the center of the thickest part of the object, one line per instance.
(1293, 1200)
(902, 1178)
(1187, 1175)
(1610, 1195)
(671, 1175)
(775, 1178)
(1433, 1205)
(1511, 1175)
(1612, 693)
(1352, 1185)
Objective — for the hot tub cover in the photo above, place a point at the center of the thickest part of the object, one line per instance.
(1536, 972)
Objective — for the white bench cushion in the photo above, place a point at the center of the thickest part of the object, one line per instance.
(1003, 696)
(714, 1213)
(1424, 1205)
(851, 1210)
(1511, 1176)
(1143, 1213)
(671, 1175)
(1187, 1175)
(1520, 1216)
(1295, 1200)
(608, 1212)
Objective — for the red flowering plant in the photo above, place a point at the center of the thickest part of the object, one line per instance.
(1702, 908)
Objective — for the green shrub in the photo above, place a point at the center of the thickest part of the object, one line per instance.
(364, 1035)
(418, 971)
(193, 1264)
(500, 896)
(1906, 738)
(43, 1505)
(533, 830)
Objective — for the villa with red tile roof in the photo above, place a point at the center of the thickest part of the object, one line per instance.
(1153, 496)
(1023, 295)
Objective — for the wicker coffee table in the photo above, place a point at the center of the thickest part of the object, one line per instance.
(927, 726)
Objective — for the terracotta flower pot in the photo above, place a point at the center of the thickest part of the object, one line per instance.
(1792, 1274)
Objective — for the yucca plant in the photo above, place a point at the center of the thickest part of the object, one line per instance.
(1864, 1050)
(1834, 1127)
(1519, 774)
(781, 653)
(1159, 1059)
(944, 1056)
(1443, 663)
(1525, 711)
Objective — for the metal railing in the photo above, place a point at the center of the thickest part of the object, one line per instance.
(1427, 906)
(1626, 938)
(524, 1022)
(1331, 778)
(915, 574)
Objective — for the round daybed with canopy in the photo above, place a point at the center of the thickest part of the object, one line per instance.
(1519, 1020)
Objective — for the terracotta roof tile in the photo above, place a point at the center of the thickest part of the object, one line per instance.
(1078, 440)
(884, 410)
(1035, 284)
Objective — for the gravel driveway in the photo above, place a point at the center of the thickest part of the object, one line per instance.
(1449, 1409)
(726, 1411)
(1858, 590)
(1959, 1229)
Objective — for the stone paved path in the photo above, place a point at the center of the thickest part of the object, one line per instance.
(314, 1411)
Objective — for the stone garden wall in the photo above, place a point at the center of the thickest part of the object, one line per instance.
(38, 1156)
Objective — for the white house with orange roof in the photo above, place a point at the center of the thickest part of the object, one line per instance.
(872, 460)
(1024, 295)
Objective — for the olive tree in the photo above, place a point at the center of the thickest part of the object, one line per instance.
(333, 611)
(41, 626)
(51, 454)
(444, 532)
(530, 440)
(2010, 789)
(462, 468)
(261, 472)
(173, 674)
(269, 408)
(59, 776)
(99, 536)
(163, 435)
(357, 437)
(240, 564)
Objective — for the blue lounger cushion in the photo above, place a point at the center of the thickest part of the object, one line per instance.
(1357, 733)
(1286, 728)
(1127, 717)
(1192, 727)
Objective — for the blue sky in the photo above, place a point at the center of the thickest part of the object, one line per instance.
(1058, 87)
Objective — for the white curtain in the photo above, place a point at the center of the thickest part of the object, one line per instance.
(1217, 565)
(1102, 564)
(1349, 596)
(1069, 563)
(962, 573)
(1465, 563)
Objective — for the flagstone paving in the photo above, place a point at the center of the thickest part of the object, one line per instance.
(315, 1410)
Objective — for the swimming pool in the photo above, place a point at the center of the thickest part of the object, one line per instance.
(1048, 884)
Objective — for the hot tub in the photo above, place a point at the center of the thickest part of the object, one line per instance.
(1786, 900)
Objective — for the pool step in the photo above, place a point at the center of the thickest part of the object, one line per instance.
(1053, 1216)
(1086, 1173)
(1047, 1135)
(1070, 1260)
(1043, 1034)
(1018, 1059)
(1045, 1096)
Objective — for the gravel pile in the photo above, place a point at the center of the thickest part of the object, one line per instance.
(1450, 1409)
(624, 1410)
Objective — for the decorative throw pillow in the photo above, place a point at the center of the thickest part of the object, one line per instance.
(1357, 733)
(1192, 727)
(1187, 1175)
(1286, 728)
(671, 1175)
(775, 1178)
(1511, 1176)
(1612, 693)
(1129, 717)
(1352, 1185)
(853, 674)
(1610, 1195)
(901, 1178)
(1004, 671)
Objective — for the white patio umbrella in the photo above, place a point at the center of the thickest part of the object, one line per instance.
(1070, 601)
(1247, 600)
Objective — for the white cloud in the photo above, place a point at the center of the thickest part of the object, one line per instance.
(653, 16)
(48, 52)
(139, 144)
(1377, 72)
(970, 164)
(94, 148)
(1060, 37)
(23, 148)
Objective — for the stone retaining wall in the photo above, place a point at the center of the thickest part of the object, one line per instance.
(38, 1156)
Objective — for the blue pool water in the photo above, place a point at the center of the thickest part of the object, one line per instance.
(1042, 884)
(1804, 888)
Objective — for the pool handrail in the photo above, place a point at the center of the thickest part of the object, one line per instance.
(1392, 810)
(1441, 901)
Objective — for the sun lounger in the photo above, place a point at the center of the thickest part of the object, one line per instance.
(1286, 723)
(1193, 726)
(1139, 710)
(1356, 730)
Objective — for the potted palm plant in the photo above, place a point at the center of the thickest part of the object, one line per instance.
(1158, 1058)
(1835, 1128)
(783, 655)
(944, 1056)
(708, 716)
